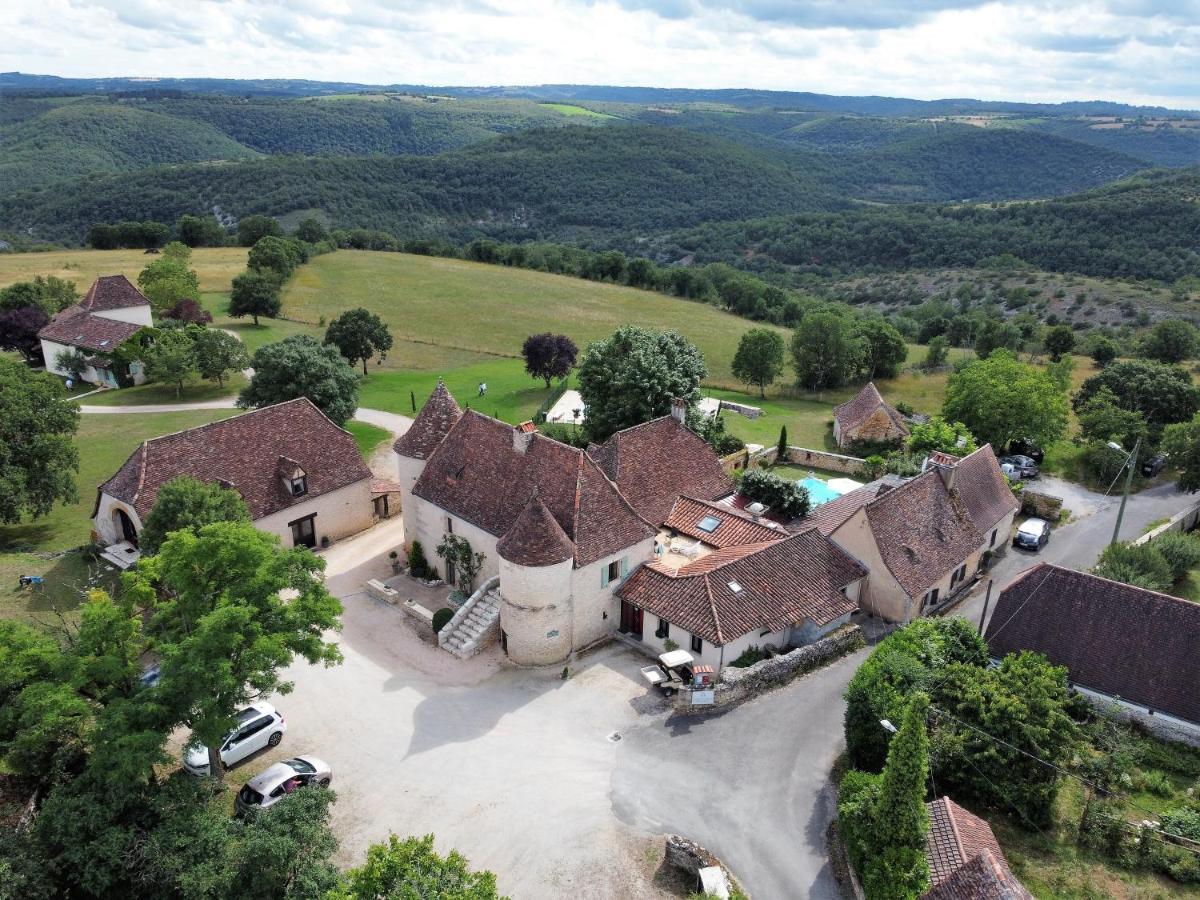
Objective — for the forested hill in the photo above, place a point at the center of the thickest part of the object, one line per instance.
(1145, 227)
(619, 183)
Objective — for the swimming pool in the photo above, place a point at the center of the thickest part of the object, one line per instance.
(819, 491)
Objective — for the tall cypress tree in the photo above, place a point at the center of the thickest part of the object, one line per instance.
(899, 870)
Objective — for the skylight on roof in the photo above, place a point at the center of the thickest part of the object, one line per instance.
(104, 343)
(709, 524)
(735, 587)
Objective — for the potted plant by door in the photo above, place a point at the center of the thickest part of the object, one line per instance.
(397, 566)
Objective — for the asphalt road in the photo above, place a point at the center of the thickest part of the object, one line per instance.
(751, 784)
(1079, 543)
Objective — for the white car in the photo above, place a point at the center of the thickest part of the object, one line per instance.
(259, 725)
(266, 789)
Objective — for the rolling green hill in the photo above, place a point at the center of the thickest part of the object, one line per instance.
(1147, 226)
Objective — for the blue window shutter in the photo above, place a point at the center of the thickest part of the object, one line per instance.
(624, 566)
(604, 576)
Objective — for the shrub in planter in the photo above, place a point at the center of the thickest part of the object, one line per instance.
(441, 617)
(418, 565)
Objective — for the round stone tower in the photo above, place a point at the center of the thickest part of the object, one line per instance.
(536, 561)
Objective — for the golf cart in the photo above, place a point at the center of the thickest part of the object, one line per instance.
(672, 672)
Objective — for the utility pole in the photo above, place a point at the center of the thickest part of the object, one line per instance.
(1130, 461)
(986, 598)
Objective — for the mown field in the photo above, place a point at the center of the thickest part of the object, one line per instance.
(215, 266)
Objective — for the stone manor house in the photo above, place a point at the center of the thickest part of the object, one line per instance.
(640, 535)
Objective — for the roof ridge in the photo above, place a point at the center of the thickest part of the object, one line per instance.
(712, 606)
(958, 843)
(616, 490)
(141, 470)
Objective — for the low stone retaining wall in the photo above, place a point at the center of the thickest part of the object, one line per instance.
(1186, 520)
(738, 685)
(690, 857)
(822, 459)
(1044, 506)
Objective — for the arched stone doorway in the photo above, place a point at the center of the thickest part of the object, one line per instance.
(125, 529)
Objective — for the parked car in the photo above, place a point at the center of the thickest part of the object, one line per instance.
(268, 787)
(1033, 535)
(1026, 447)
(1024, 466)
(1153, 465)
(259, 725)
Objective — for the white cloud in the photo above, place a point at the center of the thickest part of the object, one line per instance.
(1137, 51)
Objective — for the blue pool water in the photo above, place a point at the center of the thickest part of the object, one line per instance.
(818, 491)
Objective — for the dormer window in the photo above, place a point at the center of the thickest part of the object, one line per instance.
(294, 478)
(299, 485)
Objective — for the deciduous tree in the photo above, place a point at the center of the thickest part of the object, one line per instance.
(184, 502)
(171, 359)
(299, 366)
(410, 867)
(826, 350)
(359, 334)
(255, 293)
(223, 629)
(19, 330)
(1181, 443)
(1001, 398)
(167, 280)
(1171, 341)
(884, 350)
(218, 354)
(1059, 340)
(632, 377)
(1162, 393)
(938, 434)
(38, 459)
(252, 229)
(549, 356)
(759, 358)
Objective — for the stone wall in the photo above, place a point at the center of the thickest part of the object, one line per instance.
(1186, 520)
(1044, 506)
(1161, 725)
(739, 685)
(820, 459)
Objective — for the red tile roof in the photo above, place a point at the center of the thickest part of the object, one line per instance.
(955, 837)
(856, 411)
(783, 583)
(829, 517)
(733, 527)
(478, 474)
(985, 877)
(659, 461)
(77, 328)
(112, 292)
(536, 538)
(1113, 638)
(923, 532)
(983, 489)
(439, 414)
(245, 451)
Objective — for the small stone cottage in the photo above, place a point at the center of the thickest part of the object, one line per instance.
(110, 314)
(868, 419)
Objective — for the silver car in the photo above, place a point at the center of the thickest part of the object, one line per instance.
(259, 725)
(265, 790)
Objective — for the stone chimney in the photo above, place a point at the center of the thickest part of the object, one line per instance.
(679, 410)
(946, 465)
(522, 435)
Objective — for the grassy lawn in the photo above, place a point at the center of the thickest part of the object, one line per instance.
(511, 395)
(799, 473)
(68, 577)
(149, 394)
(486, 309)
(367, 436)
(104, 443)
(569, 109)
(215, 266)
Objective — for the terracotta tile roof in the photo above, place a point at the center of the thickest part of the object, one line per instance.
(781, 583)
(659, 461)
(245, 452)
(856, 411)
(536, 538)
(112, 292)
(985, 877)
(439, 414)
(983, 489)
(1114, 638)
(77, 328)
(922, 531)
(829, 517)
(732, 527)
(955, 837)
(478, 474)
(384, 486)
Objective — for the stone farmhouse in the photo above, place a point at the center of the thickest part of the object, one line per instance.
(301, 476)
(1128, 650)
(925, 540)
(112, 312)
(868, 419)
(638, 535)
(965, 859)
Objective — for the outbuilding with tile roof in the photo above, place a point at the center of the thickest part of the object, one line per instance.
(868, 418)
(965, 859)
(301, 476)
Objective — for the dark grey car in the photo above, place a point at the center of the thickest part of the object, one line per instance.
(1024, 465)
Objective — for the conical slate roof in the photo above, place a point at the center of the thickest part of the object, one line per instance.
(536, 538)
(439, 414)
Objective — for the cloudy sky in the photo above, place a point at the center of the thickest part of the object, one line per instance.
(1137, 51)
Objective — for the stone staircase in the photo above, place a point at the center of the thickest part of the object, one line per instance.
(476, 622)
